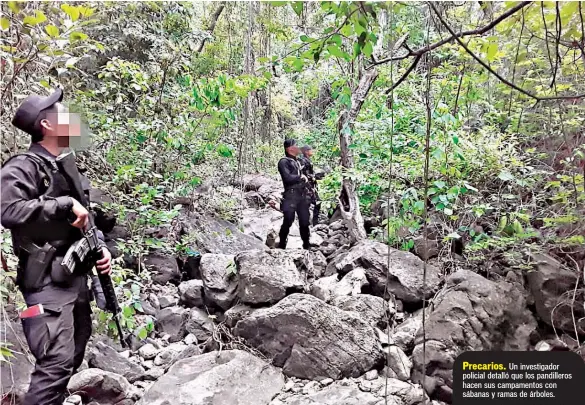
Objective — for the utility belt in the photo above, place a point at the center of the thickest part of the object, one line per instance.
(57, 262)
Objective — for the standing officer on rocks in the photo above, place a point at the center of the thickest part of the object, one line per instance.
(45, 220)
(308, 170)
(295, 195)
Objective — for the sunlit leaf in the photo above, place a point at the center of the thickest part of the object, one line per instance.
(298, 7)
(4, 23)
(52, 31)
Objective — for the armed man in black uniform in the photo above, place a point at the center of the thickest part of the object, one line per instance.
(295, 195)
(39, 208)
(308, 170)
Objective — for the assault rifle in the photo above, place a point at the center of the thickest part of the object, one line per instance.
(88, 249)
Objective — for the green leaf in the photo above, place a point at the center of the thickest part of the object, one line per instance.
(4, 23)
(305, 38)
(337, 39)
(71, 11)
(142, 334)
(492, 50)
(506, 176)
(298, 7)
(77, 36)
(455, 140)
(52, 31)
(14, 7)
(357, 48)
(224, 151)
(335, 51)
(278, 3)
(368, 49)
(298, 64)
(44, 83)
(37, 19)
(128, 312)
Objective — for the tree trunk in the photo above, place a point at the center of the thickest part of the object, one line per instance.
(349, 203)
(212, 24)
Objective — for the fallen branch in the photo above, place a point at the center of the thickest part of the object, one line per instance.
(211, 27)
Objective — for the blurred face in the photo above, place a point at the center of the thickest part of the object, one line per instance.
(294, 150)
(61, 124)
(309, 153)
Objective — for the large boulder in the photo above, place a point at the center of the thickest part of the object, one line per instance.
(311, 339)
(107, 358)
(214, 235)
(231, 377)
(164, 268)
(552, 286)
(220, 281)
(405, 333)
(15, 375)
(101, 386)
(337, 394)
(372, 309)
(404, 278)
(266, 277)
(470, 314)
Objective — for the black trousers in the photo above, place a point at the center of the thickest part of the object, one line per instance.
(57, 339)
(316, 202)
(295, 202)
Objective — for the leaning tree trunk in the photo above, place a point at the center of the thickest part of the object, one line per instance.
(349, 204)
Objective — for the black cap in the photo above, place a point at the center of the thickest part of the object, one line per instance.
(306, 148)
(289, 142)
(28, 112)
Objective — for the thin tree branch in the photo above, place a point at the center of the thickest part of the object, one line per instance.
(486, 66)
(405, 75)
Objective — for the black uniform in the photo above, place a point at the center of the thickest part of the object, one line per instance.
(312, 194)
(35, 205)
(294, 200)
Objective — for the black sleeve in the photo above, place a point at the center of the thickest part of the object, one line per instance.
(288, 173)
(21, 204)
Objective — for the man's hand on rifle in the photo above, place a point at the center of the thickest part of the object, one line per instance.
(81, 214)
(104, 265)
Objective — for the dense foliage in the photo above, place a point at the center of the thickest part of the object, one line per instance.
(181, 95)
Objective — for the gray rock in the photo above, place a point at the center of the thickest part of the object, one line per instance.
(154, 374)
(426, 250)
(237, 313)
(148, 351)
(549, 283)
(470, 314)
(101, 386)
(220, 279)
(106, 358)
(190, 339)
(372, 309)
(190, 351)
(311, 339)
(74, 399)
(323, 287)
(164, 268)
(15, 375)
(404, 278)
(352, 283)
(214, 235)
(167, 301)
(405, 333)
(172, 321)
(210, 378)
(371, 375)
(337, 394)
(398, 362)
(319, 264)
(199, 324)
(191, 293)
(266, 277)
